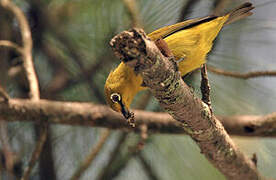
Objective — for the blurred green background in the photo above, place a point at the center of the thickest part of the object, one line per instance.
(73, 58)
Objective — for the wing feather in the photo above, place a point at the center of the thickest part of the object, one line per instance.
(171, 29)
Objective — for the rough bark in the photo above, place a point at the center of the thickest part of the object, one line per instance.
(159, 74)
(87, 114)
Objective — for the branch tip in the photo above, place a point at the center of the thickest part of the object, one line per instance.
(127, 45)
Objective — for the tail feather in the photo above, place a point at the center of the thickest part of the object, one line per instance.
(240, 13)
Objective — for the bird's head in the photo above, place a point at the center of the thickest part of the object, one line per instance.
(117, 103)
(119, 90)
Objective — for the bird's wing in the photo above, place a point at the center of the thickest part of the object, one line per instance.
(239, 13)
(169, 30)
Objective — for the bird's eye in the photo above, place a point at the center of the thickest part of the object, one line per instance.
(115, 97)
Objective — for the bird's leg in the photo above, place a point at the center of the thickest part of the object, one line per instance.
(205, 87)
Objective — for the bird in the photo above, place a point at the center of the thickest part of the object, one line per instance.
(189, 41)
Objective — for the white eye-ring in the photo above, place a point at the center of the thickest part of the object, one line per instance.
(115, 97)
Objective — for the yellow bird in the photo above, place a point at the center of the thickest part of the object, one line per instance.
(189, 41)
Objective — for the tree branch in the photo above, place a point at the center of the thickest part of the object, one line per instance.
(118, 161)
(131, 6)
(36, 152)
(187, 9)
(250, 124)
(219, 6)
(159, 74)
(10, 156)
(6, 43)
(152, 175)
(91, 156)
(87, 114)
(205, 87)
(253, 74)
(4, 94)
(26, 49)
(105, 172)
(29, 71)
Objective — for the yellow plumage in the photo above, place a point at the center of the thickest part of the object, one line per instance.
(193, 44)
(190, 40)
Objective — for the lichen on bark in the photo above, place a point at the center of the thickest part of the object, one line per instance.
(160, 75)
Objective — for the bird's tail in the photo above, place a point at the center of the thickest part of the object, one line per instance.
(240, 13)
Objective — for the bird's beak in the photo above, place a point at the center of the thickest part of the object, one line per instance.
(125, 111)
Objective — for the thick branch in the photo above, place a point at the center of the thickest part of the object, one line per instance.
(87, 114)
(160, 75)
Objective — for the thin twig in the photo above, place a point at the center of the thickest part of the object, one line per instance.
(120, 162)
(143, 137)
(147, 167)
(187, 9)
(7, 150)
(30, 74)
(28, 65)
(105, 173)
(217, 9)
(131, 6)
(85, 75)
(78, 58)
(205, 87)
(46, 168)
(115, 169)
(4, 94)
(36, 153)
(254, 159)
(248, 75)
(70, 48)
(6, 43)
(64, 81)
(219, 6)
(91, 156)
